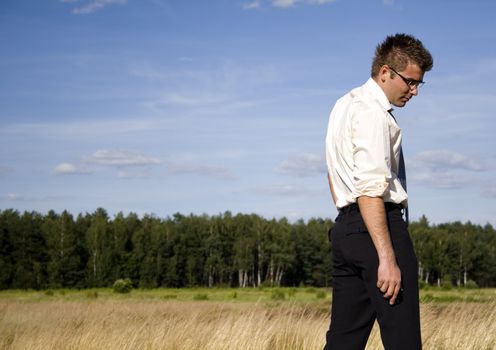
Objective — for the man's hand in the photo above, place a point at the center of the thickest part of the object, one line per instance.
(389, 280)
(388, 274)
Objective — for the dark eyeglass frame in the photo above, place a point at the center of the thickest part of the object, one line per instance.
(412, 83)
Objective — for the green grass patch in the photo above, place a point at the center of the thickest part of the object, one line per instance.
(304, 295)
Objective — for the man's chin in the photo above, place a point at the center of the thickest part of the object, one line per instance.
(400, 104)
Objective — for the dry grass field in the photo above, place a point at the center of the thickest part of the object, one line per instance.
(174, 320)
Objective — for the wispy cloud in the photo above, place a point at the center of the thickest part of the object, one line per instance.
(252, 5)
(17, 197)
(303, 165)
(443, 169)
(92, 6)
(291, 3)
(284, 4)
(126, 174)
(14, 197)
(81, 129)
(443, 159)
(70, 169)
(283, 190)
(489, 191)
(442, 179)
(217, 172)
(120, 158)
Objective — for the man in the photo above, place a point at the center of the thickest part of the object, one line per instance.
(374, 264)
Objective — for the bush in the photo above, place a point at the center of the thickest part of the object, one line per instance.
(423, 285)
(123, 286)
(321, 294)
(168, 296)
(278, 294)
(447, 284)
(471, 284)
(200, 296)
(91, 294)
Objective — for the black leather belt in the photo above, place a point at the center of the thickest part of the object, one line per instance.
(354, 207)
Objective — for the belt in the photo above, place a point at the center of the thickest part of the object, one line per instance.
(353, 207)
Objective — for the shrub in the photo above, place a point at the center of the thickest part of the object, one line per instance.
(91, 294)
(168, 296)
(49, 292)
(321, 294)
(201, 296)
(423, 285)
(447, 284)
(278, 294)
(123, 286)
(471, 284)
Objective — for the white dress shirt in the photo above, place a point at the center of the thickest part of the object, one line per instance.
(363, 147)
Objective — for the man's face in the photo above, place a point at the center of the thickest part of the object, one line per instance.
(397, 89)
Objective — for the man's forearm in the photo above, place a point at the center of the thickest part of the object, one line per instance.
(374, 215)
(388, 273)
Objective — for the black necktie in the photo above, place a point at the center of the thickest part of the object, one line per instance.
(401, 170)
(402, 178)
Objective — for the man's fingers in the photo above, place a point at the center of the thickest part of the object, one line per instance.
(383, 286)
(395, 294)
(390, 290)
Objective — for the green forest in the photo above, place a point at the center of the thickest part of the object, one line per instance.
(59, 250)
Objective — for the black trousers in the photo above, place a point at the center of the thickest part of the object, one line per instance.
(356, 300)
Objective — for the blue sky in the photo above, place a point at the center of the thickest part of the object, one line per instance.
(165, 106)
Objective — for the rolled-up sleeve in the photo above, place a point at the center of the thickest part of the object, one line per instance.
(371, 151)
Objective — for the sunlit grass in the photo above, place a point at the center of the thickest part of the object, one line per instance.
(220, 318)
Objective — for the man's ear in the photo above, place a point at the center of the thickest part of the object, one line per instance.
(384, 73)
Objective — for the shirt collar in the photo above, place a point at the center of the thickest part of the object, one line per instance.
(375, 90)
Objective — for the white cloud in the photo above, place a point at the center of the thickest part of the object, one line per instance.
(119, 158)
(14, 197)
(291, 3)
(69, 169)
(84, 128)
(126, 174)
(443, 169)
(94, 6)
(443, 159)
(200, 169)
(252, 5)
(442, 179)
(305, 164)
(283, 3)
(489, 191)
(283, 190)
(388, 2)
(194, 100)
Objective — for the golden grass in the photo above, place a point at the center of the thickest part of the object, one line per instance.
(213, 325)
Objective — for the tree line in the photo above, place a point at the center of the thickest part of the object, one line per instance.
(58, 250)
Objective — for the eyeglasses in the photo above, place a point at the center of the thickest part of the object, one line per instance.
(412, 83)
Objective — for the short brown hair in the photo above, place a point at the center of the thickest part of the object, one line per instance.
(398, 50)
